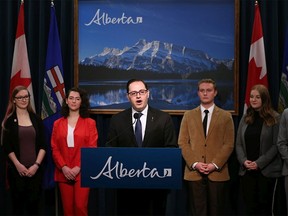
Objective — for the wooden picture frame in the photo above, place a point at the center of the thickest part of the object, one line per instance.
(191, 40)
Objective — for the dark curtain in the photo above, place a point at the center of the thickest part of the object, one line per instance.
(37, 14)
(37, 17)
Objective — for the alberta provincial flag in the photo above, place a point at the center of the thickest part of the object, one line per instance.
(257, 71)
(20, 74)
(283, 95)
(53, 93)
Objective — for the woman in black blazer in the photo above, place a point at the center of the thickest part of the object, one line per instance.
(24, 144)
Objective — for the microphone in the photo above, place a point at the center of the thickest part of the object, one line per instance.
(136, 116)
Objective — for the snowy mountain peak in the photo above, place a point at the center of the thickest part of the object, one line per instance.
(156, 56)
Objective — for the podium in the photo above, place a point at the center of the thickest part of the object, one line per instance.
(131, 168)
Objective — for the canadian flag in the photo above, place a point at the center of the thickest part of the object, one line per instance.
(20, 74)
(257, 71)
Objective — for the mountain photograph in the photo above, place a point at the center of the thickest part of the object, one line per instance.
(159, 45)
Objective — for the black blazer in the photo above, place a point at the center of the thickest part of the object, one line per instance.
(159, 132)
(11, 137)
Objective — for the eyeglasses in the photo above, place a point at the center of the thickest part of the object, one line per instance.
(21, 98)
(135, 93)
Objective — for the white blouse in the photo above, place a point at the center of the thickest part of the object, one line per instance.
(70, 136)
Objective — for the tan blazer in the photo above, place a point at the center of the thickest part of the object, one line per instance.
(216, 148)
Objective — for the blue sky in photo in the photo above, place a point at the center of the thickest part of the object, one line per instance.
(201, 25)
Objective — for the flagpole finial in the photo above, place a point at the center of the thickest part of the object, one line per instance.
(52, 3)
(256, 2)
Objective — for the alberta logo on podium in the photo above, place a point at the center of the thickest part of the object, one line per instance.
(131, 168)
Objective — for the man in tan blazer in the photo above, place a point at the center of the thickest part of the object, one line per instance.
(206, 157)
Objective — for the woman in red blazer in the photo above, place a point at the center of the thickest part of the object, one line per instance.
(70, 133)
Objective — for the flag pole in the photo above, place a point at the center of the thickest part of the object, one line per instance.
(56, 201)
(55, 188)
(52, 97)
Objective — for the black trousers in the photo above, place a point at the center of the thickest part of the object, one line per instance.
(25, 192)
(258, 193)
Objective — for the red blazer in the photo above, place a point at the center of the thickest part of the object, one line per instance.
(85, 135)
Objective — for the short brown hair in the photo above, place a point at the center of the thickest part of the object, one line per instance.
(207, 80)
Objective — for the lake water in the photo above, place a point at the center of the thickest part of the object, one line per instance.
(164, 94)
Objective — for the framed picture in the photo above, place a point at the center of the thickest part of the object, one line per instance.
(170, 44)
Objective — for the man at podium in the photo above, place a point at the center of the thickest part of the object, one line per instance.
(141, 126)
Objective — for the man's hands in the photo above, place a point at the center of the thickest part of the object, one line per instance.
(205, 168)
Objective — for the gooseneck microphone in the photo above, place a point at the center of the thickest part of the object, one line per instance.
(136, 116)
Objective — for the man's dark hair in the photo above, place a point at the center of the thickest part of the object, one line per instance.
(135, 80)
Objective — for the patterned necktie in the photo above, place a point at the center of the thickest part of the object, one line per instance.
(205, 121)
(138, 130)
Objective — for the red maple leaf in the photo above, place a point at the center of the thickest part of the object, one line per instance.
(17, 80)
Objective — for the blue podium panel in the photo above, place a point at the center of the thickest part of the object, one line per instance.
(131, 168)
